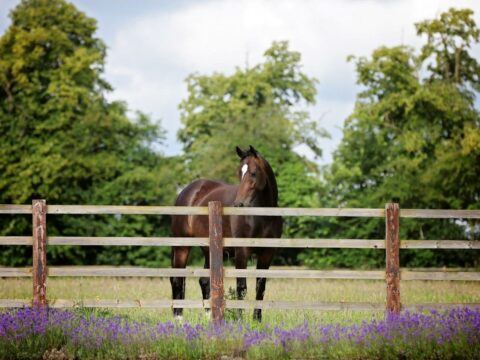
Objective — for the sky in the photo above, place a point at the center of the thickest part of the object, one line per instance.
(154, 45)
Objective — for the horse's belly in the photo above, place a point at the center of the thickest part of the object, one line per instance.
(198, 226)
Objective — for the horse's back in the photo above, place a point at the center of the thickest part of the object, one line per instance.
(199, 193)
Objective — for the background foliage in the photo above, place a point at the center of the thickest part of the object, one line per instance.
(63, 141)
(413, 137)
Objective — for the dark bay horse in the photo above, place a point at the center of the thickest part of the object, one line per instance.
(257, 188)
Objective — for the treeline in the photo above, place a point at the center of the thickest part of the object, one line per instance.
(413, 137)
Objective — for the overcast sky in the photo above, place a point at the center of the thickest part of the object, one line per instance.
(154, 45)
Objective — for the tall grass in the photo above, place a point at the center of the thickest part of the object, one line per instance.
(277, 289)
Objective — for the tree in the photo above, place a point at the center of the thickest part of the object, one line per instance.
(63, 141)
(414, 137)
(448, 39)
(257, 106)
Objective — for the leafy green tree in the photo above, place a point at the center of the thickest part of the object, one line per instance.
(64, 142)
(449, 37)
(257, 106)
(414, 137)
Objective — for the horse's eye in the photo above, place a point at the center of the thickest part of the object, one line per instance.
(253, 174)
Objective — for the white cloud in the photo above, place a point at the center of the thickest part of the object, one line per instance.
(150, 56)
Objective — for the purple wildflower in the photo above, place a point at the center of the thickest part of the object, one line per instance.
(435, 328)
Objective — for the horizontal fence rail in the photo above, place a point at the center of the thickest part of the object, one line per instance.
(237, 242)
(114, 271)
(203, 210)
(229, 304)
(199, 304)
(126, 210)
(391, 244)
(15, 209)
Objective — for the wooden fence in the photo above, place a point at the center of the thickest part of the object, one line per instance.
(392, 245)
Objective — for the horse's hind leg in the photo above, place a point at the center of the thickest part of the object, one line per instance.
(264, 259)
(179, 261)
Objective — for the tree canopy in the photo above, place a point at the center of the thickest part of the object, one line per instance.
(414, 136)
(62, 140)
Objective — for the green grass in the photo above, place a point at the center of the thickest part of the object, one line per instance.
(277, 289)
(54, 345)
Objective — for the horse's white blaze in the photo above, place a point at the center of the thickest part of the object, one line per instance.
(244, 169)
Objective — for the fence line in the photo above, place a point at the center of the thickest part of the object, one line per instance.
(236, 242)
(392, 245)
(126, 271)
(203, 210)
(229, 304)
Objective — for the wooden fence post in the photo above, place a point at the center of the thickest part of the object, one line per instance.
(392, 247)
(39, 220)
(217, 302)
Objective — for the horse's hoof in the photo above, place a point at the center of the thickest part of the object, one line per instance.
(207, 313)
(257, 316)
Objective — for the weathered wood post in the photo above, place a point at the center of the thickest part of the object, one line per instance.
(217, 302)
(39, 220)
(392, 245)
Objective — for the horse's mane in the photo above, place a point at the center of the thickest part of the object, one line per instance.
(271, 181)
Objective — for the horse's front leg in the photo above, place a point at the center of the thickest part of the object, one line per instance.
(241, 261)
(264, 259)
(179, 260)
(205, 281)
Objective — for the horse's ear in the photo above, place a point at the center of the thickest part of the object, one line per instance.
(240, 152)
(253, 151)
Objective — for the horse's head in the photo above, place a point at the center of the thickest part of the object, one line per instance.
(253, 177)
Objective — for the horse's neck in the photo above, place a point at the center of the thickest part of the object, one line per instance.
(268, 199)
(270, 192)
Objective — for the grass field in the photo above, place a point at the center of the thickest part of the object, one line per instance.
(277, 289)
(284, 334)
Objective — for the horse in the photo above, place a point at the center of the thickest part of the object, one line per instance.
(257, 188)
